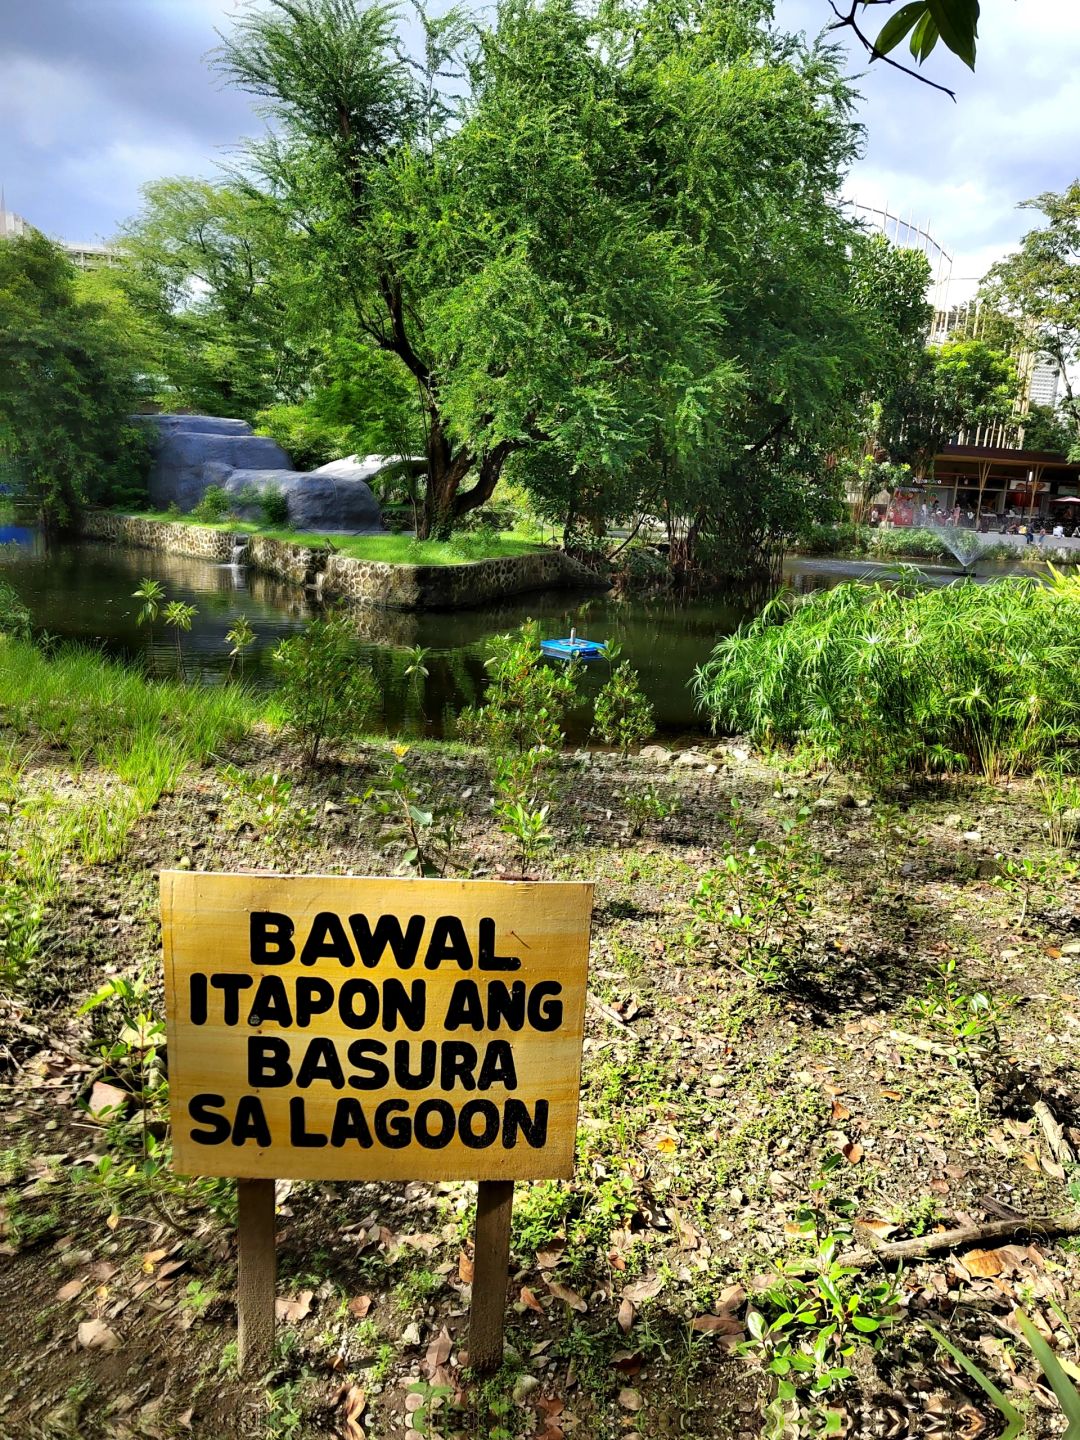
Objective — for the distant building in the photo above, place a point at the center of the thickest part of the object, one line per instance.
(83, 257)
(1045, 377)
(12, 225)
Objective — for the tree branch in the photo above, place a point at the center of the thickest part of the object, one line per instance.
(848, 22)
(1039, 1226)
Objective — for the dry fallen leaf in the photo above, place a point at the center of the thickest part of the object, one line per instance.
(626, 1315)
(840, 1112)
(572, 1298)
(710, 1324)
(549, 1256)
(667, 1145)
(983, 1262)
(465, 1268)
(293, 1310)
(529, 1299)
(359, 1306)
(880, 1229)
(644, 1289)
(96, 1335)
(438, 1352)
(353, 1404)
(852, 1153)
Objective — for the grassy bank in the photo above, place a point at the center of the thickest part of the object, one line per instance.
(390, 549)
(811, 1003)
(859, 542)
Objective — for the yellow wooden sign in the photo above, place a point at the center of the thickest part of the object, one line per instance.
(329, 1028)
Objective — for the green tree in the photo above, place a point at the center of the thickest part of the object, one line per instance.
(212, 274)
(955, 389)
(607, 252)
(1039, 286)
(1046, 429)
(69, 380)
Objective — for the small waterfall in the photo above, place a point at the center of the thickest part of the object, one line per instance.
(240, 544)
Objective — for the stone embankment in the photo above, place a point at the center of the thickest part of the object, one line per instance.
(365, 582)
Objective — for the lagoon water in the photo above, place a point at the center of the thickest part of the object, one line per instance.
(84, 593)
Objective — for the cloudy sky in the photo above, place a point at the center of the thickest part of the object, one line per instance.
(99, 96)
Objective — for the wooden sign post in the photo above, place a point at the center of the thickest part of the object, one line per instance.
(328, 1028)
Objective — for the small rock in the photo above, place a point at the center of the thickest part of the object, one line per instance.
(656, 754)
(693, 759)
(523, 1387)
(1071, 947)
(330, 808)
(972, 836)
(953, 821)
(411, 1334)
(825, 803)
(734, 752)
(184, 863)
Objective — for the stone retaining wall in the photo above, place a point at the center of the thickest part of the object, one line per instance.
(365, 582)
(175, 539)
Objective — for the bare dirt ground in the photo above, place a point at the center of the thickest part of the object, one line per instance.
(713, 1105)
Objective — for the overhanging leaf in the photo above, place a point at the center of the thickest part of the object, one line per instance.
(958, 22)
(1015, 1425)
(924, 37)
(898, 25)
(1067, 1394)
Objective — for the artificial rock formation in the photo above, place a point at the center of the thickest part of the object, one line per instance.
(193, 452)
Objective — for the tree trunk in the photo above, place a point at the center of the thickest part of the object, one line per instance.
(444, 501)
(446, 471)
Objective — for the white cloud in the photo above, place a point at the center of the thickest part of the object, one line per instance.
(1013, 132)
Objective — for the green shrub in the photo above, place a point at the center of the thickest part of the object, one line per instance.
(325, 687)
(14, 616)
(623, 715)
(274, 505)
(215, 505)
(526, 701)
(984, 678)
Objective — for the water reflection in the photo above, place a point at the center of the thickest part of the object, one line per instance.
(84, 593)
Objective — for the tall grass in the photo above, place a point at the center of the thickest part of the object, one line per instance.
(99, 710)
(978, 678)
(101, 713)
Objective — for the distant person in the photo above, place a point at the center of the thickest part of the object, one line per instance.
(1058, 532)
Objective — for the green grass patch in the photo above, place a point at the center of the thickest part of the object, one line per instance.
(389, 549)
(99, 710)
(969, 677)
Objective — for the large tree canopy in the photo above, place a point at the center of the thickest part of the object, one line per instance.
(70, 374)
(213, 271)
(609, 248)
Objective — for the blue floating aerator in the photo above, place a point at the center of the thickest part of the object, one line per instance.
(572, 648)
